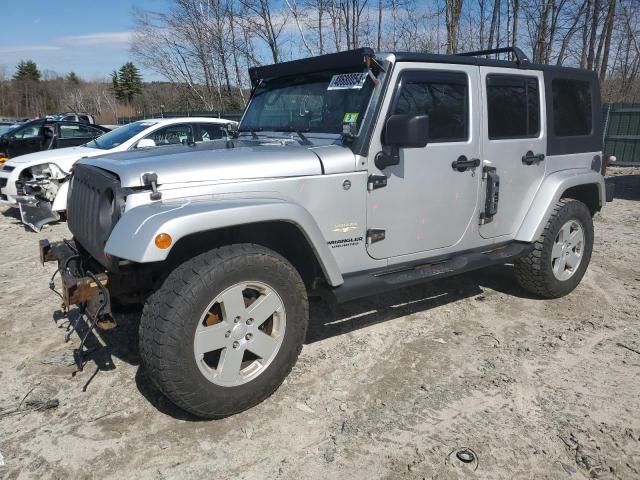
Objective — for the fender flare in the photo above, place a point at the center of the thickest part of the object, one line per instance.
(551, 190)
(133, 235)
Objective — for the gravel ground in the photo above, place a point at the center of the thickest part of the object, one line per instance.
(388, 387)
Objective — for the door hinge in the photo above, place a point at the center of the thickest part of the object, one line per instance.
(376, 181)
(492, 195)
(375, 235)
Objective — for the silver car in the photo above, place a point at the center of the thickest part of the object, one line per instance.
(351, 174)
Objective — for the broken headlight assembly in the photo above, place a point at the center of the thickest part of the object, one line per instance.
(41, 181)
(37, 188)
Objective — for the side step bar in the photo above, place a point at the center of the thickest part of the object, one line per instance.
(373, 283)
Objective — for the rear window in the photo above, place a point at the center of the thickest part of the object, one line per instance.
(572, 104)
(513, 106)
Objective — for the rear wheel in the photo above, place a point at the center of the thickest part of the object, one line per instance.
(225, 329)
(561, 255)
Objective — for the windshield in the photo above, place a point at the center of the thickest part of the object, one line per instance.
(322, 102)
(4, 128)
(118, 136)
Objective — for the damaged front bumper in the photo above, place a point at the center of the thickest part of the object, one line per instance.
(36, 213)
(80, 287)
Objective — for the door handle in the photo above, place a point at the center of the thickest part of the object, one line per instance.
(462, 163)
(530, 158)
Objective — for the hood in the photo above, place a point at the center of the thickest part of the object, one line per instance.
(211, 162)
(63, 157)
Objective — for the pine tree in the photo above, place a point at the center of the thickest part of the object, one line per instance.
(73, 79)
(115, 85)
(27, 70)
(127, 82)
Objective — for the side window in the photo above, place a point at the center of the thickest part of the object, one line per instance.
(210, 131)
(76, 131)
(69, 118)
(444, 96)
(28, 132)
(172, 135)
(571, 107)
(513, 106)
(84, 119)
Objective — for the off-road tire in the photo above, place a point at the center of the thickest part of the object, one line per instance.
(171, 315)
(534, 271)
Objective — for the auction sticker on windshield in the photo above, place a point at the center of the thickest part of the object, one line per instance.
(351, 117)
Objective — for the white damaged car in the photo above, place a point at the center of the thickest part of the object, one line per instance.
(37, 183)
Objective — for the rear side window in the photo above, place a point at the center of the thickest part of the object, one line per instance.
(513, 104)
(572, 106)
(441, 95)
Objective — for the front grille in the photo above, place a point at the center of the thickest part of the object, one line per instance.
(93, 208)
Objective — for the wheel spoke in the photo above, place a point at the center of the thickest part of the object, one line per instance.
(560, 266)
(572, 260)
(263, 308)
(576, 238)
(262, 345)
(211, 338)
(556, 251)
(233, 303)
(229, 364)
(565, 231)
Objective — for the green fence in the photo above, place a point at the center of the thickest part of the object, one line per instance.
(622, 132)
(231, 115)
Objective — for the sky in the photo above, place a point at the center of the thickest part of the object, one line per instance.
(88, 37)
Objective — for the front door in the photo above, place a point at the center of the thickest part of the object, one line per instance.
(513, 143)
(26, 140)
(428, 203)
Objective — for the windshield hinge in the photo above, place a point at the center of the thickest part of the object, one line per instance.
(376, 181)
(151, 179)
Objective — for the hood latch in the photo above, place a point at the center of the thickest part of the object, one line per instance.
(151, 180)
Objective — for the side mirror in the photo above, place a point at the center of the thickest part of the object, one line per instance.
(402, 131)
(232, 129)
(406, 131)
(146, 143)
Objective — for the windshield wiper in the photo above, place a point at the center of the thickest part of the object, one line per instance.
(250, 130)
(305, 140)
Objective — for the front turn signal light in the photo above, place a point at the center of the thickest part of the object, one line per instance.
(163, 241)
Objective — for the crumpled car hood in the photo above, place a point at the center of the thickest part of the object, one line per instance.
(217, 161)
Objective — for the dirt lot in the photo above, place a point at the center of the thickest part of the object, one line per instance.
(387, 387)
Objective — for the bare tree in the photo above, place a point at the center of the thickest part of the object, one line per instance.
(453, 9)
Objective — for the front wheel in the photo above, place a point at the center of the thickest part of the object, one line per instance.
(561, 255)
(225, 329)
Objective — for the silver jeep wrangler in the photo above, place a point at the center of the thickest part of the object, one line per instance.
(350, 174)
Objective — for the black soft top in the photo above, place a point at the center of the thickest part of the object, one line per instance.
(357, 59)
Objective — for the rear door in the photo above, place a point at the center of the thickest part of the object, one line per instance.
(426, 203)
(513, 142)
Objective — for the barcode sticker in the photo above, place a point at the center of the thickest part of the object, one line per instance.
(347, 81)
